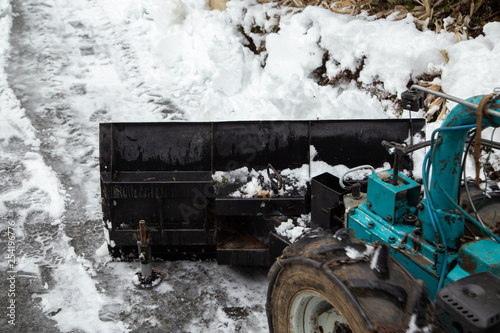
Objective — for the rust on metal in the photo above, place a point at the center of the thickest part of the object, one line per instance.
(467, 263)
(243, 241)
(143, 232)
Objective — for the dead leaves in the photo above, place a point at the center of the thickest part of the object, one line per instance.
(463, 17)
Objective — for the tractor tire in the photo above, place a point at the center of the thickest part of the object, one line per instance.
(335, 283)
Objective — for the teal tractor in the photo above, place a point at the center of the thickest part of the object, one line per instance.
(404, 257)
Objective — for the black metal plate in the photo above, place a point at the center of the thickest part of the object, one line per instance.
(160, 171)
(255, 144)
(357, 142)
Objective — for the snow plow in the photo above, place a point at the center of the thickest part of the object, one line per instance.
(220, 189)
(383, 252)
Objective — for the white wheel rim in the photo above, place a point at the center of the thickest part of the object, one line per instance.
(310, 312)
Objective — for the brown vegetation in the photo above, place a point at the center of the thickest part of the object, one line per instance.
(469, 16)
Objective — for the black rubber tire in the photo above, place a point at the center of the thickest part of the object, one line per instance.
(379, 299)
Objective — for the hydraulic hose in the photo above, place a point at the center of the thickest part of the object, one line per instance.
(432, 215)
(447, 195)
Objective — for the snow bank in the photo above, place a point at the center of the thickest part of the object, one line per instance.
(203, 53)
(207, 63)
(474, 68)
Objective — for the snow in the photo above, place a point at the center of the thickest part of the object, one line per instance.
(293, 229)
(395, 52)
(253, 183)
(80, 299)
(413, 328)
(464, 61)
(68, 65)
(357, 255)
(102, 251)
(374, 261)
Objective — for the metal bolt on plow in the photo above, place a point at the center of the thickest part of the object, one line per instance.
(147, 277)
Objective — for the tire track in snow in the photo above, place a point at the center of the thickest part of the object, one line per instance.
(52, 61)
(22, 203)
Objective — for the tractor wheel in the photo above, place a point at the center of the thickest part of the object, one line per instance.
(335, 283)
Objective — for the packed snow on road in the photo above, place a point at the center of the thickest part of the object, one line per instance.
(66, 66)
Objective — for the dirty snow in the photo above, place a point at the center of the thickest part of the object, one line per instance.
(254, 183)
(65, 66)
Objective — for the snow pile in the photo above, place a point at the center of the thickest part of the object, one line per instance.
(292, 229)
(208, 55)
(251, 180)
(252, 189)
(471, 58)
(254, 183)
(295, 178)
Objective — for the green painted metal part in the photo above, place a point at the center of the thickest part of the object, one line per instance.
(448, 152)
(427, 236)
(392, 201)
(469, 262)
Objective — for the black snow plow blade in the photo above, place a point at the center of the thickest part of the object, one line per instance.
(194, 183)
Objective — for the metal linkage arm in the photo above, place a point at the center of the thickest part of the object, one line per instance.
(492, 112)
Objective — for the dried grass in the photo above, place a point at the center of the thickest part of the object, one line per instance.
(469, 16)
